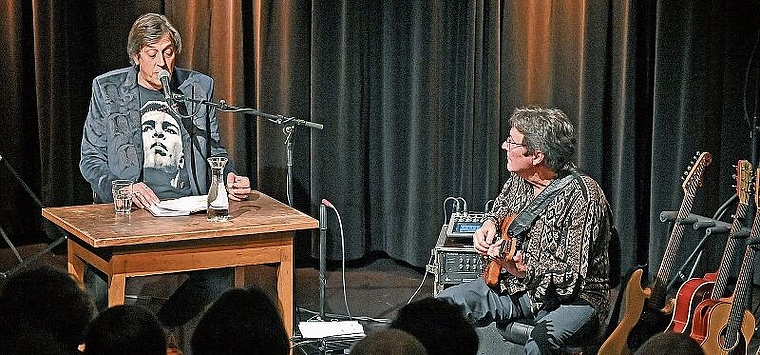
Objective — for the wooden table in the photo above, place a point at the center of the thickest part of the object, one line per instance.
(260, 231)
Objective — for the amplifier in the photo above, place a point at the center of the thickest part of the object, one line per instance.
(464, 224)
(455, 261)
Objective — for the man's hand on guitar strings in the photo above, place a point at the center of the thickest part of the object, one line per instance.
(494, 250)
(484, 237)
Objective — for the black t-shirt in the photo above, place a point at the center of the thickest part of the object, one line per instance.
(164, 163)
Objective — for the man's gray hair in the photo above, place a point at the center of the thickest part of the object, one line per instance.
(148, 29)
(548, 130)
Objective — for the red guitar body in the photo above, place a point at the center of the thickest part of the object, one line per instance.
(691, 293)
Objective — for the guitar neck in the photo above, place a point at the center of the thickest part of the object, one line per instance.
(657, 300)
(728, 254)
(736, 314)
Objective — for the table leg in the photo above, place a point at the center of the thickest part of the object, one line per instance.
(285, 286)
(240, 276)
(75, 265)
(116, 289)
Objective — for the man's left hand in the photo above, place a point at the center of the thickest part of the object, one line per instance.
(238, 187)
(515, 265)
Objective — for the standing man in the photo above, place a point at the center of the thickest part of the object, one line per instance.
(559, 274)
(131, 133)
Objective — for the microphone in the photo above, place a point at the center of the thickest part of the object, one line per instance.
(327, 203)
(164, 75)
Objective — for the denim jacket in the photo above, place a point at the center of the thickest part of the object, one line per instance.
(112, 146)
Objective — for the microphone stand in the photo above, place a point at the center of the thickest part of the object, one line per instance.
(287, 122)
(322, 259)
(23, 263)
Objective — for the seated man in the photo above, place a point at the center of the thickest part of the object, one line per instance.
(559, 226)
(132, 133)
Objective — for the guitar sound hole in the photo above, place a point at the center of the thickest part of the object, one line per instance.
(737, 339)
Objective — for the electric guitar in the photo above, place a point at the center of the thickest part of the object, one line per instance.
(725, 326)
(506, 251)
(646, 309)
(713, 285)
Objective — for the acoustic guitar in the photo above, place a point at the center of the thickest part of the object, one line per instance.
(647, 311)
(713, 285)
(725, 326)
(506, 252)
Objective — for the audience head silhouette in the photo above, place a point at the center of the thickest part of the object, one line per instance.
(241, 321)
(389, 342)
(125, 330)
(43, 308)
(672, 343)
(439, 325)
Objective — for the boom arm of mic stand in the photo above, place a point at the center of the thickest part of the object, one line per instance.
(278, 119)
(287, 122)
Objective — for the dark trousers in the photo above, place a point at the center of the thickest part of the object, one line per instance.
(199, 290)
(555, 326)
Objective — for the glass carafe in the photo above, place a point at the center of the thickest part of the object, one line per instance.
(218, 207)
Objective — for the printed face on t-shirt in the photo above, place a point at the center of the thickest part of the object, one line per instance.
(162, 141)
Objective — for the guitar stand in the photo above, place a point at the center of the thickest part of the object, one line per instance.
(711, 226)
(21, 262)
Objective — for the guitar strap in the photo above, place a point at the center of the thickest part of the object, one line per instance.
(524, 220)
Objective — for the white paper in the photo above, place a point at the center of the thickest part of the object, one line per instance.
(182, 206)
(316, 330)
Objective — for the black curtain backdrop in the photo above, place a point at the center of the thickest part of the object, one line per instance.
(414, 97)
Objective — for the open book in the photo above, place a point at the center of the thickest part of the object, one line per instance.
(182, 206)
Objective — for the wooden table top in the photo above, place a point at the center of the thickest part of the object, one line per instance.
(99, 226)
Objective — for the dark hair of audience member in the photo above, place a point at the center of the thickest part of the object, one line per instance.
(672, 343)
(125, 330)
(388, 342)
(45, 304)
(439, 325)
(241, 321)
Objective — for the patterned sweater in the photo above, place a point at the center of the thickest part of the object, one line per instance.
(566, 247)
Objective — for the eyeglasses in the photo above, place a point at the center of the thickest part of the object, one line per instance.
(512, 143)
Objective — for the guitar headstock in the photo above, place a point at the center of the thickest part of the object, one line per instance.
(743, 180)
(693, 177)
